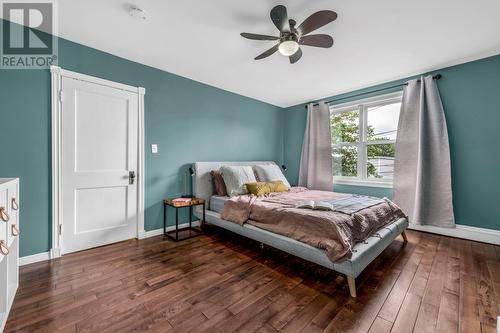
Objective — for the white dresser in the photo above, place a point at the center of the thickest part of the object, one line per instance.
(9, 245)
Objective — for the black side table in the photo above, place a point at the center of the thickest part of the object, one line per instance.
(192, 231)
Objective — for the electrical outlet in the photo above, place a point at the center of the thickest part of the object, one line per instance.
(154, 148)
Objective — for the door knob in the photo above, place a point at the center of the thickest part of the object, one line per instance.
(131, 177)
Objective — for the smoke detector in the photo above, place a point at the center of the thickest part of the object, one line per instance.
(138, 13)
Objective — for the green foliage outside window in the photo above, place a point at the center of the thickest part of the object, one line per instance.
(345, 129)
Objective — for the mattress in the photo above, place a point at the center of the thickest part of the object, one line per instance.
(217, 203)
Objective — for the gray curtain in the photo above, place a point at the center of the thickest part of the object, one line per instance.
(422, 168)
(316, 159)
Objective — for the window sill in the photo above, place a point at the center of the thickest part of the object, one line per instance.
(363, 183)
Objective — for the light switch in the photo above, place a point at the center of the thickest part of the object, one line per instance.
(154, 148)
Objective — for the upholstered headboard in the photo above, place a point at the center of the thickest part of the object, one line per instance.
(202, 182)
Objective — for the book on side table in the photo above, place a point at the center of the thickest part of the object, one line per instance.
(188, 231)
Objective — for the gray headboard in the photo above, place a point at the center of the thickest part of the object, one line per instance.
(202, 182)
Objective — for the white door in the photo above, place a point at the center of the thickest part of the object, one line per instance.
(99, 154)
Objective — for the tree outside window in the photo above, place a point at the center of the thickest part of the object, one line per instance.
(363, 140)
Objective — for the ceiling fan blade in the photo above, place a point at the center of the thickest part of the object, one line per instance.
(268, 52)
(296, 56)
(279, 16)
(258, 37)
(325, 41)
(316, 21)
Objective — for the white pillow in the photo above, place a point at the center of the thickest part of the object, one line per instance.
(269, 173)
(236, 177)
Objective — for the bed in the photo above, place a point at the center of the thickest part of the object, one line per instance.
(363, 252)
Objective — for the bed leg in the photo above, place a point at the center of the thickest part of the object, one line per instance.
(262, 246)
(405, 239)
(352, 286)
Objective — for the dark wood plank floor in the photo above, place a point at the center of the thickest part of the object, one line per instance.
(221, 282)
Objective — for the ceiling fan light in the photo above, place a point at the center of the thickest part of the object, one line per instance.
(288, 47)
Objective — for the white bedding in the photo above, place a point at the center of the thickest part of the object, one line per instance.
(235, 177)
(217, 203)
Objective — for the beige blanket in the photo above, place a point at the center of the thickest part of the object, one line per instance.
(334, 232)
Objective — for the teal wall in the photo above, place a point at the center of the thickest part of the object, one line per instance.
(471, 97)
(189, 121)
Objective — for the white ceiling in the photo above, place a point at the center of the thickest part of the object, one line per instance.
(375, 41)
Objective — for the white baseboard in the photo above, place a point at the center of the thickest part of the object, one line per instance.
(158, 232)
(150, 233)
(54, 253)
(463, 231)
(34, 258)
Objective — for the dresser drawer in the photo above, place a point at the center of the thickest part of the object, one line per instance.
(9, 262)
(14, 207)
(4, 220)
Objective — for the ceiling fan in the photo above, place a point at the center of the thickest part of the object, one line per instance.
(291, 37)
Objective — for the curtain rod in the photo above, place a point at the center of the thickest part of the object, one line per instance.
(435, 77)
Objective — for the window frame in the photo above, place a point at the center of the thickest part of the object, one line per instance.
(361, 106)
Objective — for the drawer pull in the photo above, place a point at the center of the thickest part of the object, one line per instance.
(3, 215)
(3, 248)
(14, 204)
(14, 231)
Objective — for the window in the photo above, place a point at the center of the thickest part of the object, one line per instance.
(363, 140)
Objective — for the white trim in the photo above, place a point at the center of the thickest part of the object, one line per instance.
(463, 231)
(150, 233)
(379, 99)
(96, 80)
(34, 258)
(360, 182)
(140, 167)
(55, 252)
(159, 232)
(361, 107)
(49, 255)
(56, 78)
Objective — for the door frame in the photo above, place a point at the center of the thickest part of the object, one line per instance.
(57, 73)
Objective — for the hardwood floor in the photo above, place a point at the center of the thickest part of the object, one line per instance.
(221, 282)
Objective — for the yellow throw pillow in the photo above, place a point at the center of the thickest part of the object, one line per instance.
(278, 186)
(258, 188)
(263, 188)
